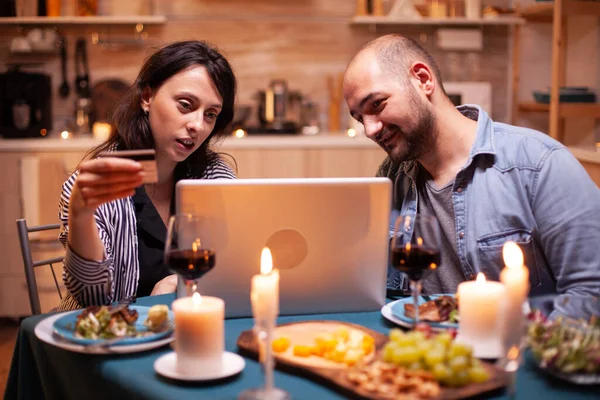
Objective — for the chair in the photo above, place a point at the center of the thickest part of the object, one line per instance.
(30, 265)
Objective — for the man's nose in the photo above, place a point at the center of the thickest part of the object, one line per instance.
(372, 127)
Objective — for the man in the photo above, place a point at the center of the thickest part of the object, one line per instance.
(486, 182)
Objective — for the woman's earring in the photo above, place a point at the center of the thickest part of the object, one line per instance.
(146, 111)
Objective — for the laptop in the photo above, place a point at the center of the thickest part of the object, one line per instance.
(328, 238)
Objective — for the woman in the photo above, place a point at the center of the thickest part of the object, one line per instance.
(113, 226)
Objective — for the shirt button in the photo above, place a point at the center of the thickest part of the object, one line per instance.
(459, 189)
(461, 235)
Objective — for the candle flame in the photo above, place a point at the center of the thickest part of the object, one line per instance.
(196, 299)
(196, 245)
(480, 278)
(513, 353)
(266, 261)
(419, 241)
(408, 246)
(512, 254)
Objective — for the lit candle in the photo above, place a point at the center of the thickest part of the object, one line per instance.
(479, 309)
(265, 290)
(101, 131)
(199, 333)
(515, 277)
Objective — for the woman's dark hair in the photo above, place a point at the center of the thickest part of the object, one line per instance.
(130, 125)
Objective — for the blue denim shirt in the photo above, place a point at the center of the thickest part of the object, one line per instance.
(521, 185)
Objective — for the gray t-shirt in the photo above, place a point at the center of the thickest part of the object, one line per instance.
(438, 202)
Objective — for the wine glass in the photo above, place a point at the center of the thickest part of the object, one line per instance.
(415, 250)
(188, 251)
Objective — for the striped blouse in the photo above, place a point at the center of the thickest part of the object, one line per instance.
(116, 277)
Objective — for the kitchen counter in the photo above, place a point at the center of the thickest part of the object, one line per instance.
(253, 141)
(590, 154)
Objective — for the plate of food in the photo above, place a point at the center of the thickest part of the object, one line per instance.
(129, 325)
(565, 347)
(415, 364)
(440, 311)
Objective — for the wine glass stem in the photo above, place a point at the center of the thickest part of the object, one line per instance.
(269, 381)
(190, 287)
(415, 287)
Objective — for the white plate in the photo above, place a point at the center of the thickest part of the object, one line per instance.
(387, 313)
(45, 328)
(232, 364)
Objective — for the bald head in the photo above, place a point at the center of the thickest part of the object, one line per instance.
(395, 54)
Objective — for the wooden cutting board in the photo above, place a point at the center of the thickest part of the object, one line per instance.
(335, 374)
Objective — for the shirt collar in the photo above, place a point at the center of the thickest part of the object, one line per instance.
(484, 137)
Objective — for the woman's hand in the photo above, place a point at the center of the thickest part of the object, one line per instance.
(102, 180)
(165, 285)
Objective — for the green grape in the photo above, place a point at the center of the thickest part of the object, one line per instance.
(395, 334)
(458, 364)
(424, 347)
(444, 339)
(459, 349)
(388, 351)
(460, 378)
(407, 340)
(434, 357)
(419, 336)
(406, 355)
(478, 374)
(441, 373)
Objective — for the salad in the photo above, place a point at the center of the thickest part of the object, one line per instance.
(565, 345)
(106, 322)
(100, 323)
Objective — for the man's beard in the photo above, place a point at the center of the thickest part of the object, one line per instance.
(416, 142)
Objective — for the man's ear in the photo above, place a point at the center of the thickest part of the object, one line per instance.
(147, 97)
(424, 76)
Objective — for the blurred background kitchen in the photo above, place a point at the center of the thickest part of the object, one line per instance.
(63, 63)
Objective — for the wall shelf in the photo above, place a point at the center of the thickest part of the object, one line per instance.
(566, 110)
(544, 11)
(371, 20)
(555, 12)
(94, 20)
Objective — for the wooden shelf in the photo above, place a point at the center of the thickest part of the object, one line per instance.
(96, 20)
(543, 11)
(566, 110)
(540, 12)
(370, 20)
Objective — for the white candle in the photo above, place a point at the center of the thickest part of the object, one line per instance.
(265, 290)
(479, 310)
(199, 333)
(101, 131)
(515, 277)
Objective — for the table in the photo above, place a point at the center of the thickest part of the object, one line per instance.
(42, 371)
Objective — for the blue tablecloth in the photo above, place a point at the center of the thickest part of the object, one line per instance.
(42, 371)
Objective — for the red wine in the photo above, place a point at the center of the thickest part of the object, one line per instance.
(416, 261)
(191, 264)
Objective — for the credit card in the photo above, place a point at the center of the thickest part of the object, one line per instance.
(146, 157)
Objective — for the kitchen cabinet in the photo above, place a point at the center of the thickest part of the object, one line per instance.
(29, 187)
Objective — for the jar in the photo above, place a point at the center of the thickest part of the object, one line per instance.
(87, 7)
